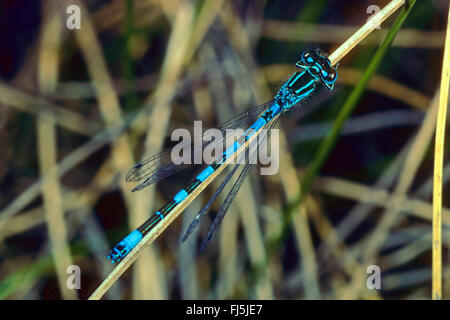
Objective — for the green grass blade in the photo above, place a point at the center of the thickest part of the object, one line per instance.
(330, 140)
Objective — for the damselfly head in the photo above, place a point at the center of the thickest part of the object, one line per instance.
(319, 65)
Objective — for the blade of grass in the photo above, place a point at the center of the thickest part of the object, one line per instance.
(122, 156)
(228, 237)
(152, 235)
(300, 31)
(438, 164)
(25, 102)
(27, 275)
(155, 232)
(186, 34)
(48, 148)
(351, 103)
(259, 86)
(367, 28)
(372, 245)
(376, 196)
(245, 202)
(328, 143)
(350, 76)
(134, 121)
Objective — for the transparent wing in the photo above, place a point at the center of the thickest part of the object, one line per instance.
(208, 205)
(231, 195)
(225, 206)
(160, 166)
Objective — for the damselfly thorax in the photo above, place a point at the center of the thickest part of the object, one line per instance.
(314, 68)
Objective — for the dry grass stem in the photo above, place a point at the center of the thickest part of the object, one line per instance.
(365, 30)
(438, 165)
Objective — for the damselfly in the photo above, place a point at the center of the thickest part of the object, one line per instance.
(314, 68)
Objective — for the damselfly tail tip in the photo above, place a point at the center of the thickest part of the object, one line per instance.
(113, 257)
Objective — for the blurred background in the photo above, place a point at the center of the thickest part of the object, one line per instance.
(78, 108)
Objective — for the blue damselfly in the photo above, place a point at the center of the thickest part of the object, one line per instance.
(314, 68)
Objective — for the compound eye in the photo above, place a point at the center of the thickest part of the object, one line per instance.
(331, 76)
(307, 57)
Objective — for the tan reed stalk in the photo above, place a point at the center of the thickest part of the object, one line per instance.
(47, 147)
(365, 30)
(438, 164)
